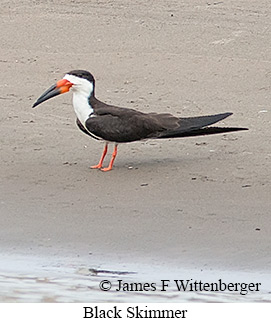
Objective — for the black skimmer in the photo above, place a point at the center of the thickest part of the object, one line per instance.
(119, 125)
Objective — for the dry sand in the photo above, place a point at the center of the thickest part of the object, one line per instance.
(201, 203)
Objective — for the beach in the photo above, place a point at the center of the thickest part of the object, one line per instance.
(199, 204)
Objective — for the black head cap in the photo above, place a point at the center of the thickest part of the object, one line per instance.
(83, 74)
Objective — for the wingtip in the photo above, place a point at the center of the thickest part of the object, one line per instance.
(227, 114)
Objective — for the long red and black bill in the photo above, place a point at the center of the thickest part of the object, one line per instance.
(60, 87)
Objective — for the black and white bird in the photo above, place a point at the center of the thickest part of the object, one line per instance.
(119, 125)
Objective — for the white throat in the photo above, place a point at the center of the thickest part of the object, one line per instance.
(82, 89)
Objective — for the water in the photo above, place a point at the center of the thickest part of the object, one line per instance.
(36, 279)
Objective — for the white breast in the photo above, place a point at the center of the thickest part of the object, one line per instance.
(82, 108)
(82, 89)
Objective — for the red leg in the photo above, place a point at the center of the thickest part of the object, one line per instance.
(100, 165)
(106, 169)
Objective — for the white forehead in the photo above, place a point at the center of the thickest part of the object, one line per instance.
(80, 83)
(75, 79)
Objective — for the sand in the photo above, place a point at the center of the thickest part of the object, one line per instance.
(199, 203)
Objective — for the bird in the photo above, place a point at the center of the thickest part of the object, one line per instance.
(116, 125)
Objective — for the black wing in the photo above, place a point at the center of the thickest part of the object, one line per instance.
(122, 125)
(125, 125)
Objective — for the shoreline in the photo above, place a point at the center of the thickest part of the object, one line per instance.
(58, 277)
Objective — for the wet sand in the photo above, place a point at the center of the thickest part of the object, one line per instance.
(197, 203)
(67, 279)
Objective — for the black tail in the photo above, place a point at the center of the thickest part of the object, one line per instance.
(203, 132)
(198, 126)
